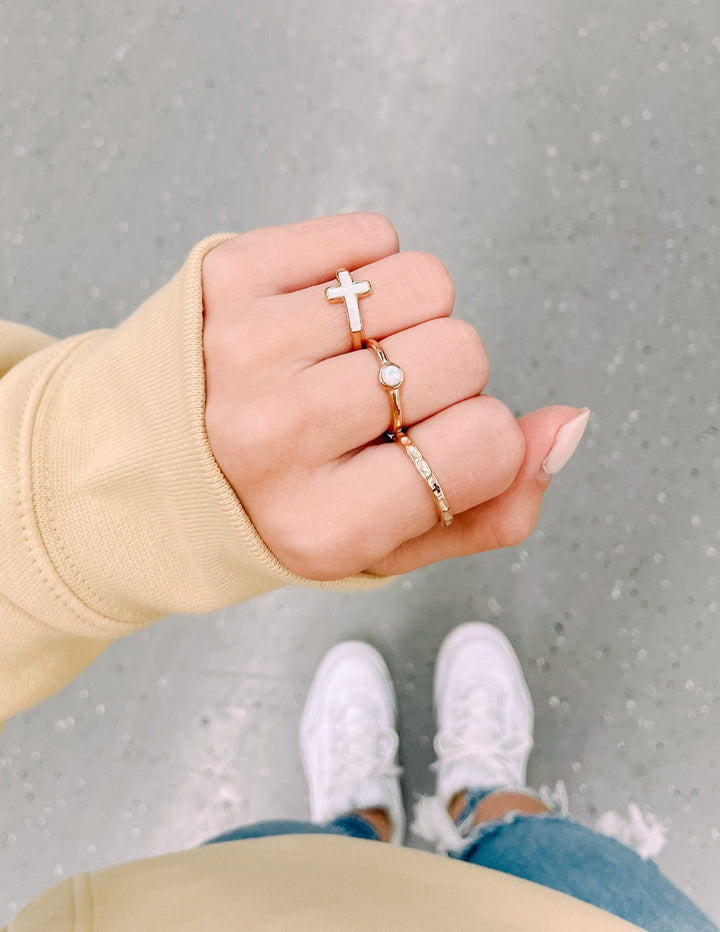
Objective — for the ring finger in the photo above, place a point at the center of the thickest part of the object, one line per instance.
(407, 289)
(442, 363)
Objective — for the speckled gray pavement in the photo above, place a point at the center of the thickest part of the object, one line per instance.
(562, 159)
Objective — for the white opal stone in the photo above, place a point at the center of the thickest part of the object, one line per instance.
(391, 375)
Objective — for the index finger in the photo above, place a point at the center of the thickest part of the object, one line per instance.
(279, 260)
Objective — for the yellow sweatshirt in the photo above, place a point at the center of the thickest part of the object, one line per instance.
(114, 513)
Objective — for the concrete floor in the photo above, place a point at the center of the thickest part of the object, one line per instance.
(562, 159)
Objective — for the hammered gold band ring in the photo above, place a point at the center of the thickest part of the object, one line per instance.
(391, 378)
(421, 464)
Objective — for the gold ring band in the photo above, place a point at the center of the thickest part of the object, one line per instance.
(390, 377)
(349, 291)
(420, 463)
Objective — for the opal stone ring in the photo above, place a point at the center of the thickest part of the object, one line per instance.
(391, 378)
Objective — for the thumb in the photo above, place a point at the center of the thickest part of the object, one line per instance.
(564, 426)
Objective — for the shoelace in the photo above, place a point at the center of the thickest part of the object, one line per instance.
(363, 749)
(479, 730)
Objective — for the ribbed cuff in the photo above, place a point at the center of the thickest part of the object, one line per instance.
(129, 513)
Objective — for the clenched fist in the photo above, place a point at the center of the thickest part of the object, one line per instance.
(296, 418)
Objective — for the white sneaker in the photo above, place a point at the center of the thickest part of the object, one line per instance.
(348, 739)
(483, 710)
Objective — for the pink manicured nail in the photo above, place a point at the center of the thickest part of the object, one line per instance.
(566, 442)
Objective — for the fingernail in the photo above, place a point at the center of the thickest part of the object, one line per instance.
(566, 442)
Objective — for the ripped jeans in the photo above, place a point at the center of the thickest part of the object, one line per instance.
(551, 850)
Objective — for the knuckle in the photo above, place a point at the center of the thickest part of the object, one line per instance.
(431, 278)
(308, 543)
(460, 342)
(499, 444)
(511, 533)
(250, 259)
(513, 529)
(219, 267)
(515, 522)
(233, 265)
(251, 436)
(241, 261)
(377, 226)
(508, 439)
(263, 430)
(467, 336)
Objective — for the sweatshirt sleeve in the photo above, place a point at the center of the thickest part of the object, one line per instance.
(113, 510)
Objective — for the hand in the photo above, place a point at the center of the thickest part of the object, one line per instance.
(293, 416)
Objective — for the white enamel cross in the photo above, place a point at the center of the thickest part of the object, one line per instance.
(349, 291)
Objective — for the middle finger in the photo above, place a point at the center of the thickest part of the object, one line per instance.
(407, 289)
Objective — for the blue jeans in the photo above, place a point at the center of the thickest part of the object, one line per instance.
(552, 851)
